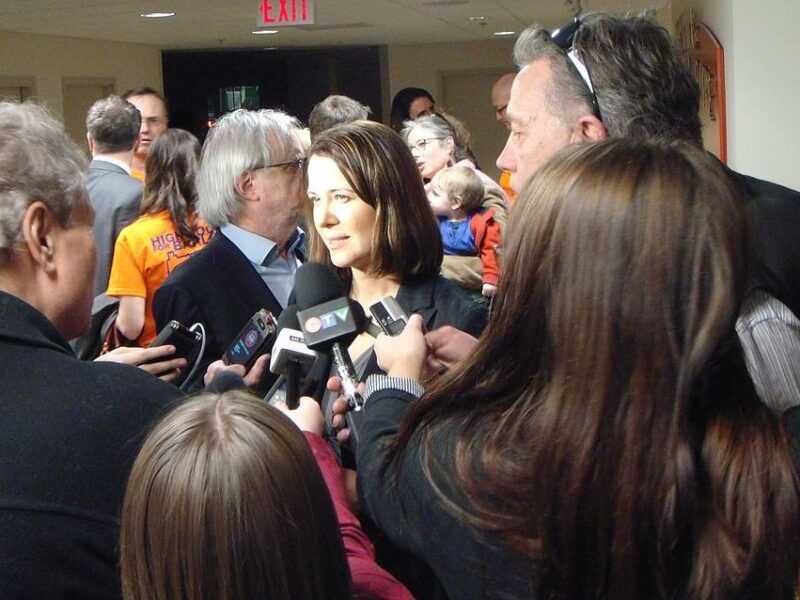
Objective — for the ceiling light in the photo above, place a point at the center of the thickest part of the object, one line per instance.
(157, 15)
(478, 19)
(265, 31)
(504, 33)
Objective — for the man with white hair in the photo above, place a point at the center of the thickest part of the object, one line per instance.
(250, 189)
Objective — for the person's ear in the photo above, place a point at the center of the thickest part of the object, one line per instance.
(449, 144)
(90, 142)
(38, 228)
(590, 129)
(245, 186)
(456, 203)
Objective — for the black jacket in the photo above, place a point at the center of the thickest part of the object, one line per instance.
(467, 563)
(70, 433)
(217, 287)
(775, 220)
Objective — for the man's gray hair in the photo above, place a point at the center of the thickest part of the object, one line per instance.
(644, 89)
(38, 161)
(114, 124)
(568, 96)
(240, 141)
(335, 110)
(643, 84)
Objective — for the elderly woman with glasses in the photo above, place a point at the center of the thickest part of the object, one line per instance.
(438, 141)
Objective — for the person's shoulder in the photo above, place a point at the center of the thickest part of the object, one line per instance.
(197, 269)
(759, 189)
(127, 382)
(149, 224)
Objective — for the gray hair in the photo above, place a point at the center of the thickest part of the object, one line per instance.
(439, 125)
(37, 162)
(643, 85)
(335, 110)
(114, 124)
(240, 141)
(568, 95)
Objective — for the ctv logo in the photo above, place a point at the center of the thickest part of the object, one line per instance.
(327, 320)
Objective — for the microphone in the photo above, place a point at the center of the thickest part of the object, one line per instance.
(291, 358)
(330, 322)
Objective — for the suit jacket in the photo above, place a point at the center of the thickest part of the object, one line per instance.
(775, 217)
(217, 287)
(71, 431)
(116, 198)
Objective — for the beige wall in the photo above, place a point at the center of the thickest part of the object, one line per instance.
(420, 65)
(476, 64)
(762, 77)
(50, 59)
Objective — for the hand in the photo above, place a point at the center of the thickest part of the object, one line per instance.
(446, 345)
(339, 408)
(403, 355)
(251, 378)
(307, 416)
(488, 290)
(148, 359)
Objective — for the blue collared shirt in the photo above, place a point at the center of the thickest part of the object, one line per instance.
(276, 271)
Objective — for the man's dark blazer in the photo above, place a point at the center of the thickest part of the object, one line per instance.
(775, 219)
(70, 433)
(217, 287)
(116, 198)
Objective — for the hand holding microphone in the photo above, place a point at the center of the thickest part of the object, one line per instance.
(404, 354)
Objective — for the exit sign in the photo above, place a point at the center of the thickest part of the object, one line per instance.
(283, 13)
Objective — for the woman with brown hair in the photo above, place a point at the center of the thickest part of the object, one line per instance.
(226, 501)
(603, 439)
(167, 233)
(374, 227)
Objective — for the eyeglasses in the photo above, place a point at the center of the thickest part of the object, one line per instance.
(297, 163)
(564, 38)
(421, 145)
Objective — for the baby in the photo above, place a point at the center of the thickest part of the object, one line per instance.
(456, 197)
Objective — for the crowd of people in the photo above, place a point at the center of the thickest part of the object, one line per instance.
(595, 394)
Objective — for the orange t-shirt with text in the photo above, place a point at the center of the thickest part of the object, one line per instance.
(145, 253)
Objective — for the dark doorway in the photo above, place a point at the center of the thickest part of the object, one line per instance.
(290, 79)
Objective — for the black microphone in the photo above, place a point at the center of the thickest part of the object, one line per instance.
(330, 322)
(290, 357)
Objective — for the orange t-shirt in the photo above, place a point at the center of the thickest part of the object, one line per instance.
(505, 183)
(146, 252)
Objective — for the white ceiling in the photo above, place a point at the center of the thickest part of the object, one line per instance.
(229, 23)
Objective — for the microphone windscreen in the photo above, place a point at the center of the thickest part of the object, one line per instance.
(225, 381)
(358, 315)
(288, 318)
(314, 284)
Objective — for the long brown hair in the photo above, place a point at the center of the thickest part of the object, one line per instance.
(381, 170)
(606, 417)
(171, 169)
(226, 501)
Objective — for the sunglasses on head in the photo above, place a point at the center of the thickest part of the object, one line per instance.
(564, 38)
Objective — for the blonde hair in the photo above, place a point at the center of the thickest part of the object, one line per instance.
(462, 183)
